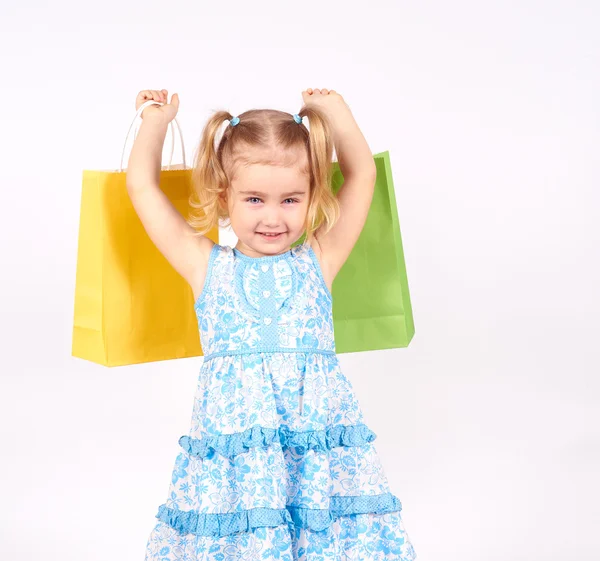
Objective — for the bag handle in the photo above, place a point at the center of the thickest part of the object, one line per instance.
(172, 128)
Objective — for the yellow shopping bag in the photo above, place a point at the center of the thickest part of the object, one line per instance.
(131, 306)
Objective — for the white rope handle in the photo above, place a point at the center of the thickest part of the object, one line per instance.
(172, 129)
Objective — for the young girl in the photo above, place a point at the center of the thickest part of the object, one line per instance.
(278, 463)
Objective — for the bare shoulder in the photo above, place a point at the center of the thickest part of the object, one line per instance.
(326, 268)
(204, 247)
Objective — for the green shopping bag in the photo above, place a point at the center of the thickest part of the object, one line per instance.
(371, 300)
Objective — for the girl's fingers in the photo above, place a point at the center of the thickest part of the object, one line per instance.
(142, 97)
(160, 96)
(321, 91)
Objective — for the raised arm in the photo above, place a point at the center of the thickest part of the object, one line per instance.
(356, 193)
(168, 230)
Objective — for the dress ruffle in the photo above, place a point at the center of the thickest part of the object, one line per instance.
(218, 525)
(230, 445)
(319, 519)
(223, 524)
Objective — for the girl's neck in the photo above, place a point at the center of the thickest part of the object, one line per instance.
(247, 253)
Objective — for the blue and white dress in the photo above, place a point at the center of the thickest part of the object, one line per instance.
(278, 462)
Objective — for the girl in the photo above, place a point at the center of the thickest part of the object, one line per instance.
(278, 463)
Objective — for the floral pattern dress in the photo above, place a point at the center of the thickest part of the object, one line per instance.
(278, 462)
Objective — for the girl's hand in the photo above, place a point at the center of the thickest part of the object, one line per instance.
(329, 100)
(162, 113)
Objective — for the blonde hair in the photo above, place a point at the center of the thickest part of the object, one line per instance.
(275, 134)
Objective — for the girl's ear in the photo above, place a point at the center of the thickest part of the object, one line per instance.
(222, 200)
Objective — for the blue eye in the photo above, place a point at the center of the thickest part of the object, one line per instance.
(249, 199)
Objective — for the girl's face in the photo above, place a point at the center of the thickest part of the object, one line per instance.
(266, 200)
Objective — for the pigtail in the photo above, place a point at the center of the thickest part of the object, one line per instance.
(209, 179)
(323, 210)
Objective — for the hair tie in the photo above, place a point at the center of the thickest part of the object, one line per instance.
(297, 118)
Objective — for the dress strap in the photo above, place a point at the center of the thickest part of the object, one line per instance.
(316, 266)
(213, 264)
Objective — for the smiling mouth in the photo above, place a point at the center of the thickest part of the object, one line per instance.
(270, 234)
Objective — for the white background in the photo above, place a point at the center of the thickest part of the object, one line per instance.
(488, 423)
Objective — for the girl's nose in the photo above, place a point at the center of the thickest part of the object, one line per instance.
(271, 219)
